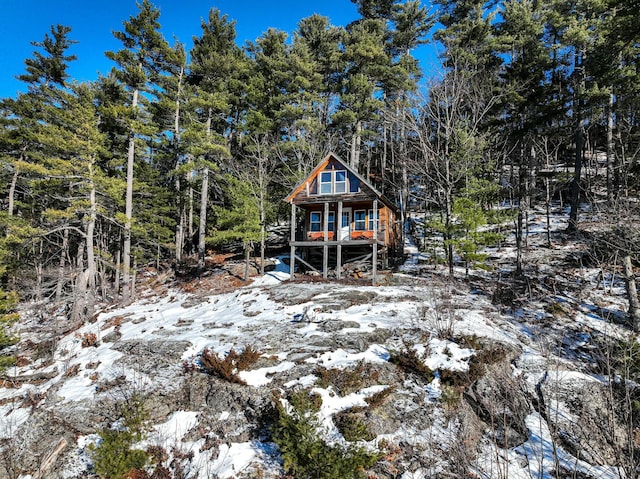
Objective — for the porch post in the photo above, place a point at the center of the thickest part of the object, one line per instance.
(375, 241)
(325, 248)
(338, 223)
(292, 257)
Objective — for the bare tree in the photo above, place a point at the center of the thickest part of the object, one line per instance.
(451, 140)
(258, 169)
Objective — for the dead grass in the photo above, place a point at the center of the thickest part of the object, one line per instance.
(228, 367)
(409, 362)
(347, 381)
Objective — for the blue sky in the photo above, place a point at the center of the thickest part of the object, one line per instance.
(93, 21)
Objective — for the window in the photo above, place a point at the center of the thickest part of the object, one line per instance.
(340, 184)
(371, 220)
(316, 224)
(332, 182)
(315, 221)
(346, 219)
(332, 221)
(360, 220)
(326, 185)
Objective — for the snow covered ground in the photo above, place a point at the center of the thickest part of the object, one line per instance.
(345, 325)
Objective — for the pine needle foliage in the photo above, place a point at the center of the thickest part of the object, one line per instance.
(114, 456)
(8, 317)
(408, 360)
(305, 453)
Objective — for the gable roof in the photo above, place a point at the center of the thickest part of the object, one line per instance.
(320, 166)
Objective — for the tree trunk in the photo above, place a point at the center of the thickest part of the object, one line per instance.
(204, 198)
(263, 232)
(118, 261)
(632, 293)
(12, 191)
(247, 258)
(128, 209)
(176, 144)
(356, 140)
(79, 288)
(61, 265)
(91, 269)
(579, 144)
(611, 194)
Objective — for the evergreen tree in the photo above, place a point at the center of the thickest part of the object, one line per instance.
(50, 65)
(528, 106)
(316, 62)
(367, 65)
(73, 169)
(239, 218)
(217, 66)
(169, 114)
(26, 121)
(269, 85)
(141, 60)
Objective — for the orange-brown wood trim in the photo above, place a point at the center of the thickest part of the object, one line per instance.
(309, 178)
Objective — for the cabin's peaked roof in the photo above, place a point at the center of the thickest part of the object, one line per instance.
(320, 166)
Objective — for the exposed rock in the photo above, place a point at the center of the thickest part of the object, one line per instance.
(111, 337)
(333, 325)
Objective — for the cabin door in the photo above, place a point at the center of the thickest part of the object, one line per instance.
(345, 225)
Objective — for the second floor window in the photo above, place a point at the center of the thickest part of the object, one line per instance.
(333, 182)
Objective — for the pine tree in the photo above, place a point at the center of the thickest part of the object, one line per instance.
(315, 60)
(270, 84)
(75, 145)
(367, 65)
(239, 218)
(217, 67)
(170, 115)
(140, 62)
(528, 108)
(26, 122)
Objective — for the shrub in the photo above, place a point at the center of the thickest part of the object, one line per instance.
(408, 361)
(89, 340)
(227, 368)
(8, 318)
(352, 427)
(450, 397)
(306, 401)
(307, 456)
(485, 355)
(377, 399)
(113, 457)
(347, 381)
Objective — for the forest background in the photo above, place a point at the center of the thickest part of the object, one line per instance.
(175, 152)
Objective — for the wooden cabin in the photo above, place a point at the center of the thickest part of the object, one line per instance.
(332, 218)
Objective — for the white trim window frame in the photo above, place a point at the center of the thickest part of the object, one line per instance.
(315, 221)
(332, 182)
(340, 181)
(332, 221)
(360, 220)
(370, 220)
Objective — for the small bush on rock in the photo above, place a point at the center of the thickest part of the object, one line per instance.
(8, 317)
(227, 368)
(113, 457)
(347, 381)
(307, 456)
(352, 427)
(407, 360)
